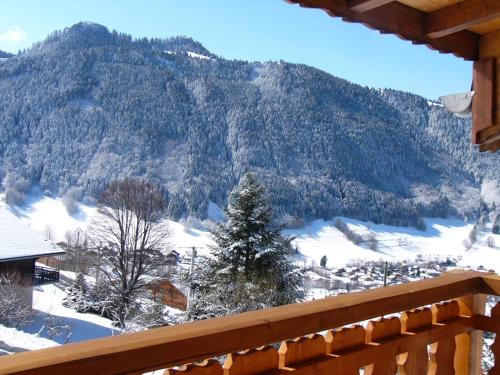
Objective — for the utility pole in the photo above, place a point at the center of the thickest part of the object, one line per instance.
(385, 274)
(191, 275)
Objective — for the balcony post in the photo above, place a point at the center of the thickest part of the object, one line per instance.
(470, 345)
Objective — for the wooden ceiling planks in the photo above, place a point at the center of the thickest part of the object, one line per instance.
(434, 19)
(486, 27)
(461, 16)
(446, 16)
(429, 5)
(366, 5)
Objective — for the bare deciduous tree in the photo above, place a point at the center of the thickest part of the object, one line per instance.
(48, 233)
(130, 238)
(56, 326)
(490, 241)
(371, 240)
(15, 310)
(79, 257)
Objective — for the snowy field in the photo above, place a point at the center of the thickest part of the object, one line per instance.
(442, 238)
(13, 340)
(48, 313)
(47, 302)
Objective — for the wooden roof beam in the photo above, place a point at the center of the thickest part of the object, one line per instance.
(460, 16)
(403, 21)
(366, 5)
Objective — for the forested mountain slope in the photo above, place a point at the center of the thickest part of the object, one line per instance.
(87, 105)
(5, 55)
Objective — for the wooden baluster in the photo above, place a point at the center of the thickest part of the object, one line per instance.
(207, 367)
(302, 349)
(442, 353)
(495, 347)
(415, 362)
(341, 340)
(469, 352)
(252, 361)
(376, 332)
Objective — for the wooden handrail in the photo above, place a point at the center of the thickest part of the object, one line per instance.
(175, 345)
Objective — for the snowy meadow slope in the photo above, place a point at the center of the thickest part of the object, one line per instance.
(442, 238)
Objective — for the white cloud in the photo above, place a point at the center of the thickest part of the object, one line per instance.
(13, 35)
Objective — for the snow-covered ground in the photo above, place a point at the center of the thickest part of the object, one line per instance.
(442, 238)
(49, 312)
(192, 55)
(12, 339)
(198, 56)
(47, 303)
(47, 215)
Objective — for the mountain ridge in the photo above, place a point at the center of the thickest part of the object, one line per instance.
(88, 105)
(5, 55)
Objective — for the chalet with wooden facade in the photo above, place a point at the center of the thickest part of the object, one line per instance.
(20, 247)
(165, 291)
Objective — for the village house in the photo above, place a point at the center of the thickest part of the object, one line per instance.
(20, 248)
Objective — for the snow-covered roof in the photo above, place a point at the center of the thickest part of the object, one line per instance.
(19, 241)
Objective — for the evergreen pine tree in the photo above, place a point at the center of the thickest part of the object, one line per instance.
(77, 294)
(80, 284)
(496, 225)
(154, 316)
(249, 268)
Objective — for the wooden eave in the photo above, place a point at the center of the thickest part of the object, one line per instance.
(448, 26)
(34, 256)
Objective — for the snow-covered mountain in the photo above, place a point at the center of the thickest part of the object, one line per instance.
(87, 105)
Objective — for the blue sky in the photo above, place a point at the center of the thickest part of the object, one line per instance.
(251, 30)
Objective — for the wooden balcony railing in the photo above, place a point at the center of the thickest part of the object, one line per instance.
(44, 275)
(436, 328)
